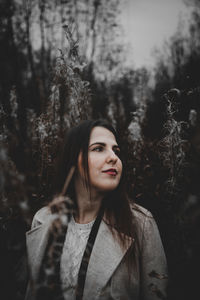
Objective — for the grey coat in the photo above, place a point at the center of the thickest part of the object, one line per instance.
(107, 274)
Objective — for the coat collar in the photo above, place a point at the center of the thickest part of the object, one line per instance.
(105, 257)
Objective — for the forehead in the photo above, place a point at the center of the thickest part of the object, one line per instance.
(101, 134)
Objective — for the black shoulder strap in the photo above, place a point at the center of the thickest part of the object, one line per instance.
(86, 256)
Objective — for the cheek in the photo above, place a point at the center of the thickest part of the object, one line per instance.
(95, 161)
(120, 166)
(93, 164)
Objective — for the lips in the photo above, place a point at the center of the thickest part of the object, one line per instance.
(111, 171)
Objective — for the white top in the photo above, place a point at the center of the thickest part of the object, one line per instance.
(73, 249)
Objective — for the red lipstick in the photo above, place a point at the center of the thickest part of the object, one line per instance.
(111, 171)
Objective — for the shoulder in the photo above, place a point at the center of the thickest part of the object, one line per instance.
(140, 213)
(41, 216)
(144, 221)
(147, 230)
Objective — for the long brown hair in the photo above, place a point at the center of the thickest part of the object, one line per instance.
(117, 204)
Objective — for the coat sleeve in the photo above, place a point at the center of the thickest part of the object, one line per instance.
(153, 262)
(38, 219)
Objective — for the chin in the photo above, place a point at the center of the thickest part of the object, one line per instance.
(108, 188)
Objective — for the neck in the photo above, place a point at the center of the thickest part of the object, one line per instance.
(88, 203)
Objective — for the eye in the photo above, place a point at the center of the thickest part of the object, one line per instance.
(117, 151)
(98, 149)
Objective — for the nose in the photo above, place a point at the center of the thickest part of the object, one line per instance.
(111, 157)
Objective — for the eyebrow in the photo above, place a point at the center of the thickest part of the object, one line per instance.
(103, 144)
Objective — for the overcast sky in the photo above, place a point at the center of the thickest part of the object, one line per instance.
(147, 23)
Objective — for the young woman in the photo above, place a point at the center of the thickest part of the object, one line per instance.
(92, 242)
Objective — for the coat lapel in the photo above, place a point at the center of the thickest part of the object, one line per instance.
(105, 257)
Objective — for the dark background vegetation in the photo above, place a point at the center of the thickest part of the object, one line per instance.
(76, 72)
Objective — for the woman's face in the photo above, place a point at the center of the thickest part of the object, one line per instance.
(105, 166)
